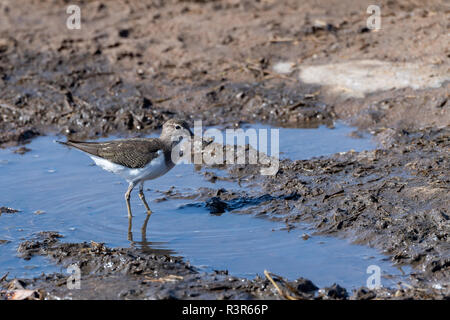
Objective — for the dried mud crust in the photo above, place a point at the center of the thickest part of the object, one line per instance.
(135, 64)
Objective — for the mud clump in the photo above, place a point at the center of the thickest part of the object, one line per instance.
(335, 292)
(216, 206)
(18, 136)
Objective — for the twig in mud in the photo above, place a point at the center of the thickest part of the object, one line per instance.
(265, 74)
(335, 194)
(169, 278)
(271, 75)
(252, 67)
(16, 109)
(165, 99)
(277, 40)
(280, 292)
(4, 277)
(407, 286)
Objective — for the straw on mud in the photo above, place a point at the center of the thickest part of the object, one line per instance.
(263, 73)
(281, 293)
(275, 40)
(169, 278)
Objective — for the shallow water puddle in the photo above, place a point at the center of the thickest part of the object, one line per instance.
(57, 189)
(300, 144)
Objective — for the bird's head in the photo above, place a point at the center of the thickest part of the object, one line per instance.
(175, 131)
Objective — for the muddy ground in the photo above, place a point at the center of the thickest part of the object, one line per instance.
(135, 64)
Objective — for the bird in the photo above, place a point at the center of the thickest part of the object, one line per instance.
(138, 159)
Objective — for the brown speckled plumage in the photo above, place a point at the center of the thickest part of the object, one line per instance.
(135, 152)
(131, 153)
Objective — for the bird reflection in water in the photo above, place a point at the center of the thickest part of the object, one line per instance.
(144, 245)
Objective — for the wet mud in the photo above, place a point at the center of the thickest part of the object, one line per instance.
(127, 273)
(134, 65)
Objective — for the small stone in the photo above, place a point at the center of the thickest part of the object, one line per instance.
(335, 292)
(305, 285)
(240, 95)
(365, 294)
(124, 33)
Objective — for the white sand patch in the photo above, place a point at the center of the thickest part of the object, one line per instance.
(359, 77)
(283, 67)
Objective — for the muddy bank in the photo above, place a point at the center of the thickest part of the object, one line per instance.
(395, 199)
(127, 273)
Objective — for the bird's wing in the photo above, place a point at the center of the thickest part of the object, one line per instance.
(131, 153)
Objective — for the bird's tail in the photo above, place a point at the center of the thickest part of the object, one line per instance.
(89, 147)
(70, 143)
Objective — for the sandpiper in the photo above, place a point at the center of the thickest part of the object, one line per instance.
(137, 159)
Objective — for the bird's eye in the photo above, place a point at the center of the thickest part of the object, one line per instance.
(178, 127)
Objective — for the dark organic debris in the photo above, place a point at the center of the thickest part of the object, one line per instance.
(216, 206)
(8, 210)
(225, 201)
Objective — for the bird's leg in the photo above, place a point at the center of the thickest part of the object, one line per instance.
(142, 196)
(127, 198)
(130, 227)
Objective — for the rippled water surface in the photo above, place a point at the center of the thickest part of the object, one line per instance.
(58, 189)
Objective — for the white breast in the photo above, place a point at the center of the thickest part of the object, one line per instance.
(154, 169)
(108, 165)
